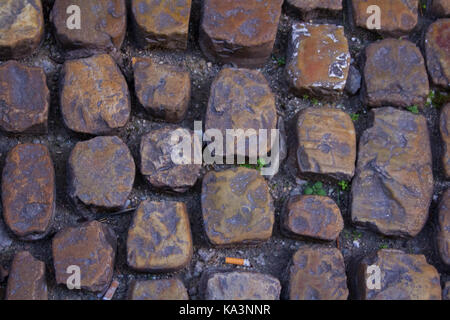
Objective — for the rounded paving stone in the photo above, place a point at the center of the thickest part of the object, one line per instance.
(103, 25)
(28, 191)
(94, 95)
(21, 27)
(314, 217)
(92, 247)
(318, 59)
(393, 184)
(317, 273)
(24, 99)
(157, 165)
(164, 91)
(443, 236)
(165, 289)
(26, 279)
(161, 23)
(444, 126)
(242, 286)
(446, 291)
(239, 32)
(441, 8)
(403, 277)
(101, 172)
(159, 237)
(311, 8)
(395, 74)
(437, 49)
(237, 207)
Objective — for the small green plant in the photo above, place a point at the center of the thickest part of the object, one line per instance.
(315, 101)
(260, 163)
(315, 189)
(437, 99)
(279, 60)
(356, 235)
(343, 185)
(413, 109)
(384, 246)
(305, 97)
(354, 116)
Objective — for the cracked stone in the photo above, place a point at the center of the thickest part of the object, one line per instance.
(92, 247)
(393, 184)
(24, 99)
(444, 126)
(94, 95)
(437, 50)
(28, 191)
(165, 289)
(441, 8)
(239, 32)
(403, 277)
(443, 236)
(159, 238)
(318, 59)
(161, 23)
(237, 207)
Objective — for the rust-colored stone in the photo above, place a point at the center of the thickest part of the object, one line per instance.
(312, 216)
(237, 207)
(241, 99)
(28, 191)
(326, 143)
(395, 74)
(403, 277)
(437, 49)
(397, 17)
(393, 185)
(92, 247)
(239, 32)
(164, 91)
(26, 279)
(165, 289)
(161, 23)
(101, 172)
(317, 273)
(242, 286)
(441, 8)
(24, 99)
(443, 236)
(94, 95)
(319, 59)
(309, 9)
(103, 25)
(21, 27)
(159, 238)
(157, 166)
(444, 126)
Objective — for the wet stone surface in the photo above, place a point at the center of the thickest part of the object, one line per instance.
(395, 74)
(164, 91)
(437, 49)
(164, 289)
(94, 95)
(161, 23)
(237, 207)
(24, 99)
(241, 286)
(319, 59)
(317, 273)
(101, 172)
(28, 191)
(21, 28)
(92, 247)
(157, 165)
(443, 236)
(103, 25)
(403, 277)
(159, 238)
(393, 185)
(26, 279)
(239, 32)
(444, 126)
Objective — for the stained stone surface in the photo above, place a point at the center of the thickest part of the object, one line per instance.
(326, 143)
(443, 236)
(24, 99)
(441, 8)
(309, 8)
(237, 207)
(393, 185)
(242, 286)
(403, 277)
(319, 59)
(161, 23)
(159, 238)
(21, 28)
(165, 289)
(94, 95)
(395, 74)
(437, 49)
(28, 191)
(317, 273)
(239, 32)
(444, 126)
(92, 247)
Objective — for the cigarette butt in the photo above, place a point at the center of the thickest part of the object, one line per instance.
(112, 289)
(237, 261)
